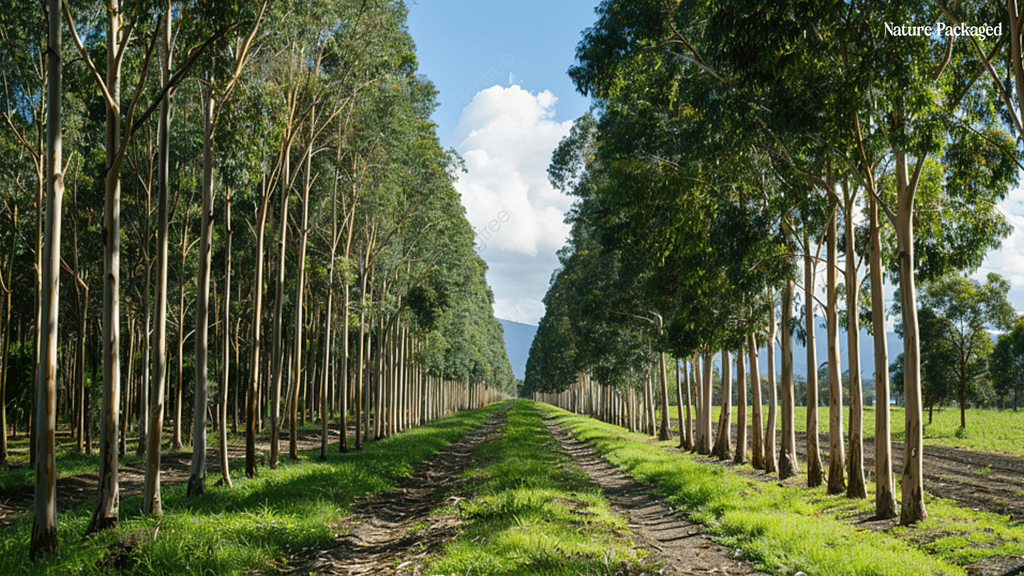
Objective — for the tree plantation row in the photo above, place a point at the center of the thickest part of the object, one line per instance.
(740, 156)
(249, 212)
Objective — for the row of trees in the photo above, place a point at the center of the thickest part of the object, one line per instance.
(738, 156)
(306, 121)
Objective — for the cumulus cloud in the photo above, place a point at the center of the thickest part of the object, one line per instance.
(1008, 261)
(506, 137)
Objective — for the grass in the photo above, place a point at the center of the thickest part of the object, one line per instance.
(254, 526)
(533, 511)
(789, 529)
(987, 430)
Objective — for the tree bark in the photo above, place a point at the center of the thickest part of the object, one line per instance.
(770, 462)
(814, 468)
(704, 422)
(293, 432)
(44, 524)
(756, 423)
(837, 457)
(885, 486)
(664, 432)
(276, 370)
(105, 514)
(225, 469)
(855, 459)
(151, 503)
(254, 348)
(685, 441)
(723, 445)
(741, 409)
(788, 465)
(912, 507)
(197, 478)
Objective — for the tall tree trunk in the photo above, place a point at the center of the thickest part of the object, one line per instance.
(106, 512)
(664, 432)
(44, 524)
(723, 445)
(685, 442)
(756, 441)
(345, 376)
(276, 372)
(151, 503)
(197, 477)
(912, 507)
(885, 485)
(837, 458)
(361, 366)
(649, 405)
(704, 422)
(814, 468)
(855, 459)
(42, 191)
(741, 409)
(225, 469)
(252, 411)
(176, 443)
(788, 465)
(7, 350)
(770, 462)
(293, 446)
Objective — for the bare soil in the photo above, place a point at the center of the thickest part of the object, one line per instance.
(987, 481)
(657, 527)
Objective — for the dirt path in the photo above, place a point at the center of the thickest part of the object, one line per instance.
(175, 467)
(667, 533)
(987, 481)
(390, 531)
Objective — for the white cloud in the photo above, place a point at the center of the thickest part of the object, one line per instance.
(1008, 261)
(506, 137)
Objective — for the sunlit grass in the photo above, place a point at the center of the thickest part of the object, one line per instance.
(789, 529)
(533, 511)
(253, 526)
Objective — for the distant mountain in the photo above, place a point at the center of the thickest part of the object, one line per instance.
(518, 338)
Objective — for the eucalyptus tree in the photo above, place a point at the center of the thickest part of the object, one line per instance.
(1007, 363)
(44, 524)
(217, 93)
(965, 311)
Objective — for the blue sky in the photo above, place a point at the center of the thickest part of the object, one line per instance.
(505, 103)
(466, 46)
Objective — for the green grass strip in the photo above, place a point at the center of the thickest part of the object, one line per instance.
(789, 529)
(253, 526)
(533, 511)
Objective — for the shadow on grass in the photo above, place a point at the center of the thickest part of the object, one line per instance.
(252, 526)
